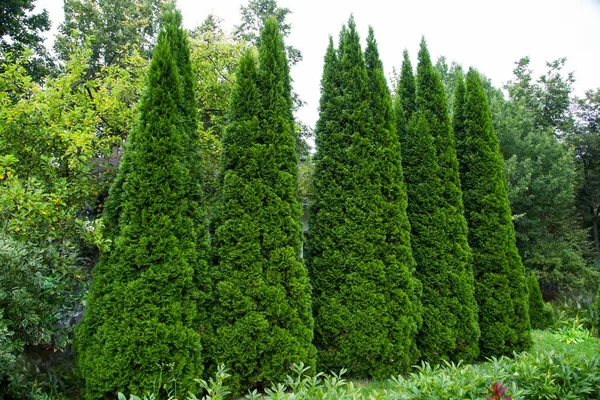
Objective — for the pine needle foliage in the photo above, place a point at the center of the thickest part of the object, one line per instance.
(141, 319)
(439, 230)
(365, 295)
(500, 287)
(262, 316)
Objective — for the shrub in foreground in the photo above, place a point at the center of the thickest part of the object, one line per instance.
(544, 375)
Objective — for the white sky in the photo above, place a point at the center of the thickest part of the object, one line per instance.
(488, 35)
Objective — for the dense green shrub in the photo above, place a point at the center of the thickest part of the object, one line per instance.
(141, 311)
(573, 311)
(439, 231)
(262, 315)
(365, 296)
(500, 286)
(39, 295)
(539, 315)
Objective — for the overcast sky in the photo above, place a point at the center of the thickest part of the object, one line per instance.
(488, 35)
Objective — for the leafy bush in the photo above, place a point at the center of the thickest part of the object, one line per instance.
(568, 309)
(40, 294)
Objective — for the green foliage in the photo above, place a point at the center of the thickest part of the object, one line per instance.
(541, 172)
(449, 74)
(539, 315)
(528, 376)
(365, 296)
(569, 311)
(141, 312)
(500, 287)
(406, 92)
(113, 27)
(214, 55)
(439, 230)
(262, 310)
(548, 341)
(596, 309)
(40, 295)
(548, 99)
(554, 371)
(21, 31)
(572, 333)
(55, 161)
(543, 177)
(254, 16)
(586, 141)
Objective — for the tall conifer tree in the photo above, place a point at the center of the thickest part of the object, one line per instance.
(439, 239)
(194, 204)
(365, 296)
(539, 316)
(500, 286)
(407, 87)
(262, 315)
(142, 308)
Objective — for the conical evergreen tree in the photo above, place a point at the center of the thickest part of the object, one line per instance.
(500, 287)
(262, 314)
(439, 239)
(538, 315)
(141, 311)
(365, 295)
(458, 119)
(407, 87)
(193, 206)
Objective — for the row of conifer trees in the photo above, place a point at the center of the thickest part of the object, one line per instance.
(411, 251)
(392, 273)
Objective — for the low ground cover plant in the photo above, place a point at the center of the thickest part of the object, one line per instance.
(554, 369)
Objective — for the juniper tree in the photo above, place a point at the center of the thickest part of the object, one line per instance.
(262, 314)
(360, 263)
(141, 311)
(439, 230)
(500, 288)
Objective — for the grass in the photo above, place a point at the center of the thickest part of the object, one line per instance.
(544, 342)
(556, 368)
